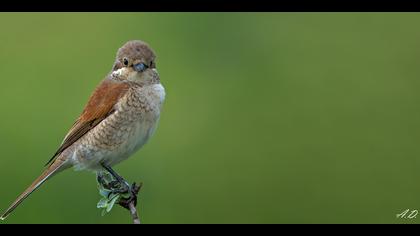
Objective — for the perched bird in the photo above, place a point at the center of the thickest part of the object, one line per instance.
(119, 118)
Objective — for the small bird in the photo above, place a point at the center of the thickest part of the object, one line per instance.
(121, 115)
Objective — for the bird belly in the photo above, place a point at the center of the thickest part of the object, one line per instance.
(138, 136)
(128, 139)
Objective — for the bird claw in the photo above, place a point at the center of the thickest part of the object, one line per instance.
(134, 190)
(118, 187)
(115, 186)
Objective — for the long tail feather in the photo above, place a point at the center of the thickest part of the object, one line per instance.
(52, 169)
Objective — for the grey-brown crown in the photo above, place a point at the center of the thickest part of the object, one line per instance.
(134, 50)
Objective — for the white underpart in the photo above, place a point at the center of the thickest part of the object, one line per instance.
(160, 92)
(119, 72)
(144, 129)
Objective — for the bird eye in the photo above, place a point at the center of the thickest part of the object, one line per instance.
(140, 67)
(125, 61)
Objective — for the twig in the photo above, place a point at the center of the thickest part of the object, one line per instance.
(134, 215)
(130, 203)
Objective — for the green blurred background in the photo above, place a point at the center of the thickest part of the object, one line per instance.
(269, 117)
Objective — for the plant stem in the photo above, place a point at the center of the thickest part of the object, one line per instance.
(131, 202)
(134, 214)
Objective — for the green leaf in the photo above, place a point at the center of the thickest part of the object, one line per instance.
(102, 203)
(112, 202)
(108, 198)
(104, 192)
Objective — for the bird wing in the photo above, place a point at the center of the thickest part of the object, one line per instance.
(100, 105)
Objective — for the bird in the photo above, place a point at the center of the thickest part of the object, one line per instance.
(120, 116)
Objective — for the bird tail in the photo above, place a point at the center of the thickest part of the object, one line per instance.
(50, 171)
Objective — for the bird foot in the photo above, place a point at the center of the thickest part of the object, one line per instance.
(113, 186)
(134, 190)
(116, 190)
(117, 187)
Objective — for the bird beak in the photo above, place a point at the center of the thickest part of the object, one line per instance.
(140, 67)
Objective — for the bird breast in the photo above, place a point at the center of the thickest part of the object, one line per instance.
(125, 131)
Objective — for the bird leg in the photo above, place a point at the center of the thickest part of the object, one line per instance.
(119, 185)
(114, 188)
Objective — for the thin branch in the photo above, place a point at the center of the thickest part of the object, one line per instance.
(134, 215)
(130, 203)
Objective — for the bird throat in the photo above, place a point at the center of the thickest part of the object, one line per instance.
(125, 74)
